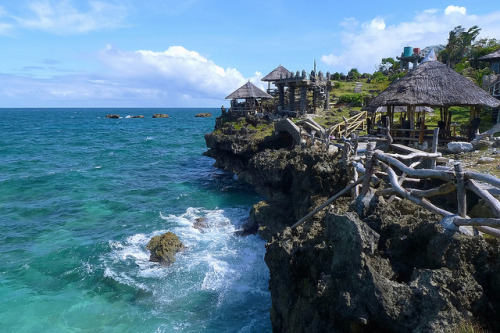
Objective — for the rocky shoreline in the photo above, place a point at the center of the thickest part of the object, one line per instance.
(392, 269)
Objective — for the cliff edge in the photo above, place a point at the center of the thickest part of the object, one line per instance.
(394, 269)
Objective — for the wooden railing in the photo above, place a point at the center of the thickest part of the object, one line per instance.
(357, 122)
(394, 170)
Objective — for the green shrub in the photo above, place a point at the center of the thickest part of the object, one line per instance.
(353, 99)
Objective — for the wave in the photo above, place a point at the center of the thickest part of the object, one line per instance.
(216, 262)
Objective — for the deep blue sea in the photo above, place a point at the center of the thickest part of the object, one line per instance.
(80, 197)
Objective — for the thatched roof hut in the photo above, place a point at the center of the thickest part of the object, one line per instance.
(491, 57)
(278, 73)
(434, 84)
(400, 109)
(251, 94)
(249, 90)
(494, 60)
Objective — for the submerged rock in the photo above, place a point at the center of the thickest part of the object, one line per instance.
(203, 115)
(164, 247)
(161, 115)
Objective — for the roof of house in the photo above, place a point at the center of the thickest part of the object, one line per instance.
(492, 56)
(249, 90)
(278, 73)
(434, 84)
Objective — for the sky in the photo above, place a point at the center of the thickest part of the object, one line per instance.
(193, 53)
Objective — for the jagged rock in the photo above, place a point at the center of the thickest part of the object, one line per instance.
(161, 115)
(200, 223)
(163, 248)
(460, 147)
(409, 276)
(113, 116)
(203, 115)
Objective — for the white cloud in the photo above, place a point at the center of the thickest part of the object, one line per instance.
(364, 45)
(66, 17)
(176, 77)
(176, 69)
(451, 10)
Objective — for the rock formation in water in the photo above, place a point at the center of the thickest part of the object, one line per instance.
(113, 116)
(164, 247)
(161, 115)
(203, 115)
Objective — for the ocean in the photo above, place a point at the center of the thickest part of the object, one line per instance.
(80, 197)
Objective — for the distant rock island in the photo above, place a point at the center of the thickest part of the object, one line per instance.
(161, 115)
(204, 115)
(113, 116)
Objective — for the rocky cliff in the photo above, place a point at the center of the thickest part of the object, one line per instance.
(394, 269)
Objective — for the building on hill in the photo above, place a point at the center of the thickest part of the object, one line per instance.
(247, 99)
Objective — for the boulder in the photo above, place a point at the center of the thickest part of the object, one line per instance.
(484, 160)
(481, 144)
(139, 116)
(164, 247)
(203, 115)
(161, 115)
(460, 147)
(113, 116)
(200, 223)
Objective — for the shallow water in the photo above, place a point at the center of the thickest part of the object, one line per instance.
(80, 197)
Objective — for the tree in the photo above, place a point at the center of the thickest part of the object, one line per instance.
(459, 44)
(354, 74)
(388, 66)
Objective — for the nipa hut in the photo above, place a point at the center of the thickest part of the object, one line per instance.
(277, 74)
(246, 99)
(436, 85)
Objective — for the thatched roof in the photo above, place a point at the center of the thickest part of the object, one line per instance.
(278, 73)
(492, 56)
(400, 109)
(249, 90)
(434, 84)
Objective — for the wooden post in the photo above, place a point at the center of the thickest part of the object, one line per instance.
(389, 137)
(434, 147)
(461, 199)
(422, 128)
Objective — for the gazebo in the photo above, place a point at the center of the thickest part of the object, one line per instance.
(277, 74)
(251, 96)
(433, 84)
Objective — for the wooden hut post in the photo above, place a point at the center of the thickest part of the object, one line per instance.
(411, 118)
(435, 138)
(461, 199)
(422, 127)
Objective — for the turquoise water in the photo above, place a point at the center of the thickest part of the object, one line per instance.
(80, 197)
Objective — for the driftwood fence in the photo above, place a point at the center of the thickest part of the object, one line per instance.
(355, 123)
(397, 169)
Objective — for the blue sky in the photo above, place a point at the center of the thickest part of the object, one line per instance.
(193, 53)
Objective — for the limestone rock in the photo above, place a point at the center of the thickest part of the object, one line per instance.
(484, 160)
(113, 116)
(203, 115)
(382, 276)
(460, 147)
(164, 247)
(161, 115)
(481, 144)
